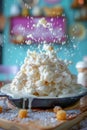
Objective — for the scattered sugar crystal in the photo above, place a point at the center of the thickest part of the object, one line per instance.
(27, 26)
(74, 46)
(30, 36)
(63, 43)
(28, 42)
(51, 19)
(9, 115)
(34, 25)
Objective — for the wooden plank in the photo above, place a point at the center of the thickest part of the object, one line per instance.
(9, 125)
(36, 125)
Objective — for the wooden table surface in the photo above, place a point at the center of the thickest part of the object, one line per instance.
(82, 125)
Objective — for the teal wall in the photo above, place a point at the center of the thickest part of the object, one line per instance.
(14, 54)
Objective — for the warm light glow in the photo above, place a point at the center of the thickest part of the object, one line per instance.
(81, 2)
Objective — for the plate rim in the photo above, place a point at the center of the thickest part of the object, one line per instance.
(83, 93)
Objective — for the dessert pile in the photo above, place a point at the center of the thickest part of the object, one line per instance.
(44, 74)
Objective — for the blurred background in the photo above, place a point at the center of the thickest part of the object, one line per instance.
(15, 23)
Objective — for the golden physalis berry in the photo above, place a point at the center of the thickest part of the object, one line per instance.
(50, 48)
(1, 109)
(61, 115)
(57, 108)
(22, 113)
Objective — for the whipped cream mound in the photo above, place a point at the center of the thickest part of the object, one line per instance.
(44, 74)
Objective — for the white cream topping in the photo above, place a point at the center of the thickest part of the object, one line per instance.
(44, 74)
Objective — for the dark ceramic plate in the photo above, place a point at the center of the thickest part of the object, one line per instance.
(46, 102)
